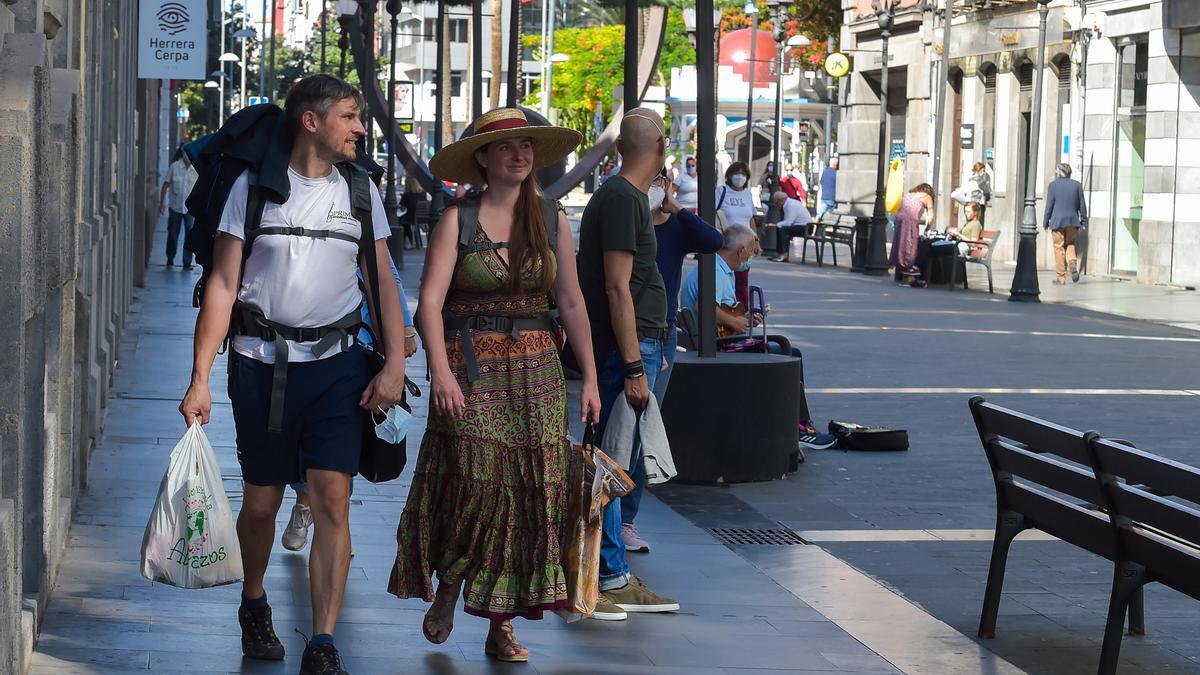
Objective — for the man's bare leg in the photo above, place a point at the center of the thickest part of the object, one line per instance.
(256, 533)
(329, 559)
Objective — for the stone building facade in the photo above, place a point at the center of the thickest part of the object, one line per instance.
(987, 115)
(79, 164)
(1142, 139)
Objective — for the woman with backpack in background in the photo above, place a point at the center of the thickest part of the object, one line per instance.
(977, 188)
(488, 501)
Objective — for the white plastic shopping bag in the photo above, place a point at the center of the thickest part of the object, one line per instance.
(190, 541)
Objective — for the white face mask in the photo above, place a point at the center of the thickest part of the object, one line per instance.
(656, 195)
(738, 180)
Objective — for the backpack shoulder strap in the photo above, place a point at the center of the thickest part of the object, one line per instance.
(721, 201)
(256, 203)
(551, 207)
(359, 184)
(468, 222)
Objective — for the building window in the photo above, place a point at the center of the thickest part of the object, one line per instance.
(457, 77)
(458, 31)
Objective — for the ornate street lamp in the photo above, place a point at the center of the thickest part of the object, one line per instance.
(346, 10)
(943, 84)
(876, 260)
(389, 197)
(1025, 281)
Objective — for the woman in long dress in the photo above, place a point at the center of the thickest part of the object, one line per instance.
(485, 513)
(918, 202)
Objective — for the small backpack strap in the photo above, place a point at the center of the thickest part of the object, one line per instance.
(551, 208)
(468, 223)
(256, 203)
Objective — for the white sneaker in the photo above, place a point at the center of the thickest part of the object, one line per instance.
(295, 535)
(633, 540)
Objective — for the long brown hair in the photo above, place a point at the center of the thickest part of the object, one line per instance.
(530, 239)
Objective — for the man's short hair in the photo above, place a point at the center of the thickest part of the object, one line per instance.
(1063, 171)
(737, 236)
(317, 93)
(779, 195)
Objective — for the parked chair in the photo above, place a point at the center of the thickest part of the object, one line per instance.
(420, 226)
(978, 252)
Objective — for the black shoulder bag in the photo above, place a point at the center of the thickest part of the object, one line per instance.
(379, 460)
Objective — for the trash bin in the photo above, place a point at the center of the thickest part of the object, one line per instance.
(862, 243)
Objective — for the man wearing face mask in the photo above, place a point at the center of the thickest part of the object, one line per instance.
(768, 185)
(735, 255)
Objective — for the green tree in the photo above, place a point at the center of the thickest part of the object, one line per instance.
(586, 81)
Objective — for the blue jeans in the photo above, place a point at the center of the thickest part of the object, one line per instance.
(826, 205)
(174, 220)
(614, 571)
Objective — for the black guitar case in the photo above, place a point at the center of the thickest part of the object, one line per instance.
(853, 436)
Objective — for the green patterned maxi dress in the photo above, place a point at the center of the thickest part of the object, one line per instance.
(488, 495)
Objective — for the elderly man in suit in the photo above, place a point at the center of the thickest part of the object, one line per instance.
(1066, 213)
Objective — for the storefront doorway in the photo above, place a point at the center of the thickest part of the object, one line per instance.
(1129, 152)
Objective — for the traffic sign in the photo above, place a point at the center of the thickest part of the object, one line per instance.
(837, 64)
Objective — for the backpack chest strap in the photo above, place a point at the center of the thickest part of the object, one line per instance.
(304, 232)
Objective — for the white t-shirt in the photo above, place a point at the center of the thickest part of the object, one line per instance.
(300, 281)
(687, 191)
(794, 213)
(182, 178)
(738, 205)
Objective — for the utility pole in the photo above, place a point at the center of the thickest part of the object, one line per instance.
(943, 82)
(1025, 281)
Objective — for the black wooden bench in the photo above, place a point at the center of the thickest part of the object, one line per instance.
(831, 230)
(1138, 510)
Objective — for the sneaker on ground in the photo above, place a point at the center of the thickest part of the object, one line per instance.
(295, 535)
(635, 597)
(633, 540)
(321, 660)
(817, 441)
(607, 611)
(1074, 273)
(258, 634)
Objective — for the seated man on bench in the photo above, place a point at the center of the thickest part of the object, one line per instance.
(736, 253)
(794, 222)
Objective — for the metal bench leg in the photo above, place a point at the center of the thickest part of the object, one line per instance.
(1008, 525)
(1137, 612)
(833, 247)
(1128, 579)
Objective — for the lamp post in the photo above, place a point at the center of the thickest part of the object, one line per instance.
(324, 15)
(389, 197)
(796, 41)
(704, 35)
(243, 35)
(262, 68)
(943, 83)
(751, 10)
(230, 57)
(210, 86)
(346, 10)
(1025, 281)
(876, 261)
(779, 17)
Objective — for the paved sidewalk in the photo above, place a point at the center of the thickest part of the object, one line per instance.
(790, 609)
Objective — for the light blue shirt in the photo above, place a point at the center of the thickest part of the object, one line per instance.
(365, 337)
(725, 287)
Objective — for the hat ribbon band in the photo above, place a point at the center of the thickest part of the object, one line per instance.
(500, 125)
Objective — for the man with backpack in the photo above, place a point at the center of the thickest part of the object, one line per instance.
(287, 245)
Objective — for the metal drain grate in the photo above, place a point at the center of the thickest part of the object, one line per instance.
(745, 536)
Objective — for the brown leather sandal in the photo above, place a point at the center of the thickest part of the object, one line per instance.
(499, 648)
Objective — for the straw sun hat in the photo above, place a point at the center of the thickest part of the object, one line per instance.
(456, 161)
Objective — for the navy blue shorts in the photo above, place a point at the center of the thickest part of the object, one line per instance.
(322, 423)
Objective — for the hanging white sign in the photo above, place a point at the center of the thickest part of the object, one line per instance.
(172, 39)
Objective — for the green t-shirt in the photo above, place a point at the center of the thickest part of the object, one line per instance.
(618, 219)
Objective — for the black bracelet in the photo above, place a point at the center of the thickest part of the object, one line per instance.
(634, 368)
(634, 377)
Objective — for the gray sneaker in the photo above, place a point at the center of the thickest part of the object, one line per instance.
(635, 597)
(295, 535)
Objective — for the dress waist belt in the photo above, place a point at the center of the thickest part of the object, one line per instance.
(489, 324)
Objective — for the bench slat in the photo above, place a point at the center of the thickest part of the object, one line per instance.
(1044, 469)
(1073, 524)
(1169, 562)
(1137, 466)
(1039, 435)
(1177, 520)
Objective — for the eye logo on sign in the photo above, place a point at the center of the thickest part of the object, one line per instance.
(173, 18)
